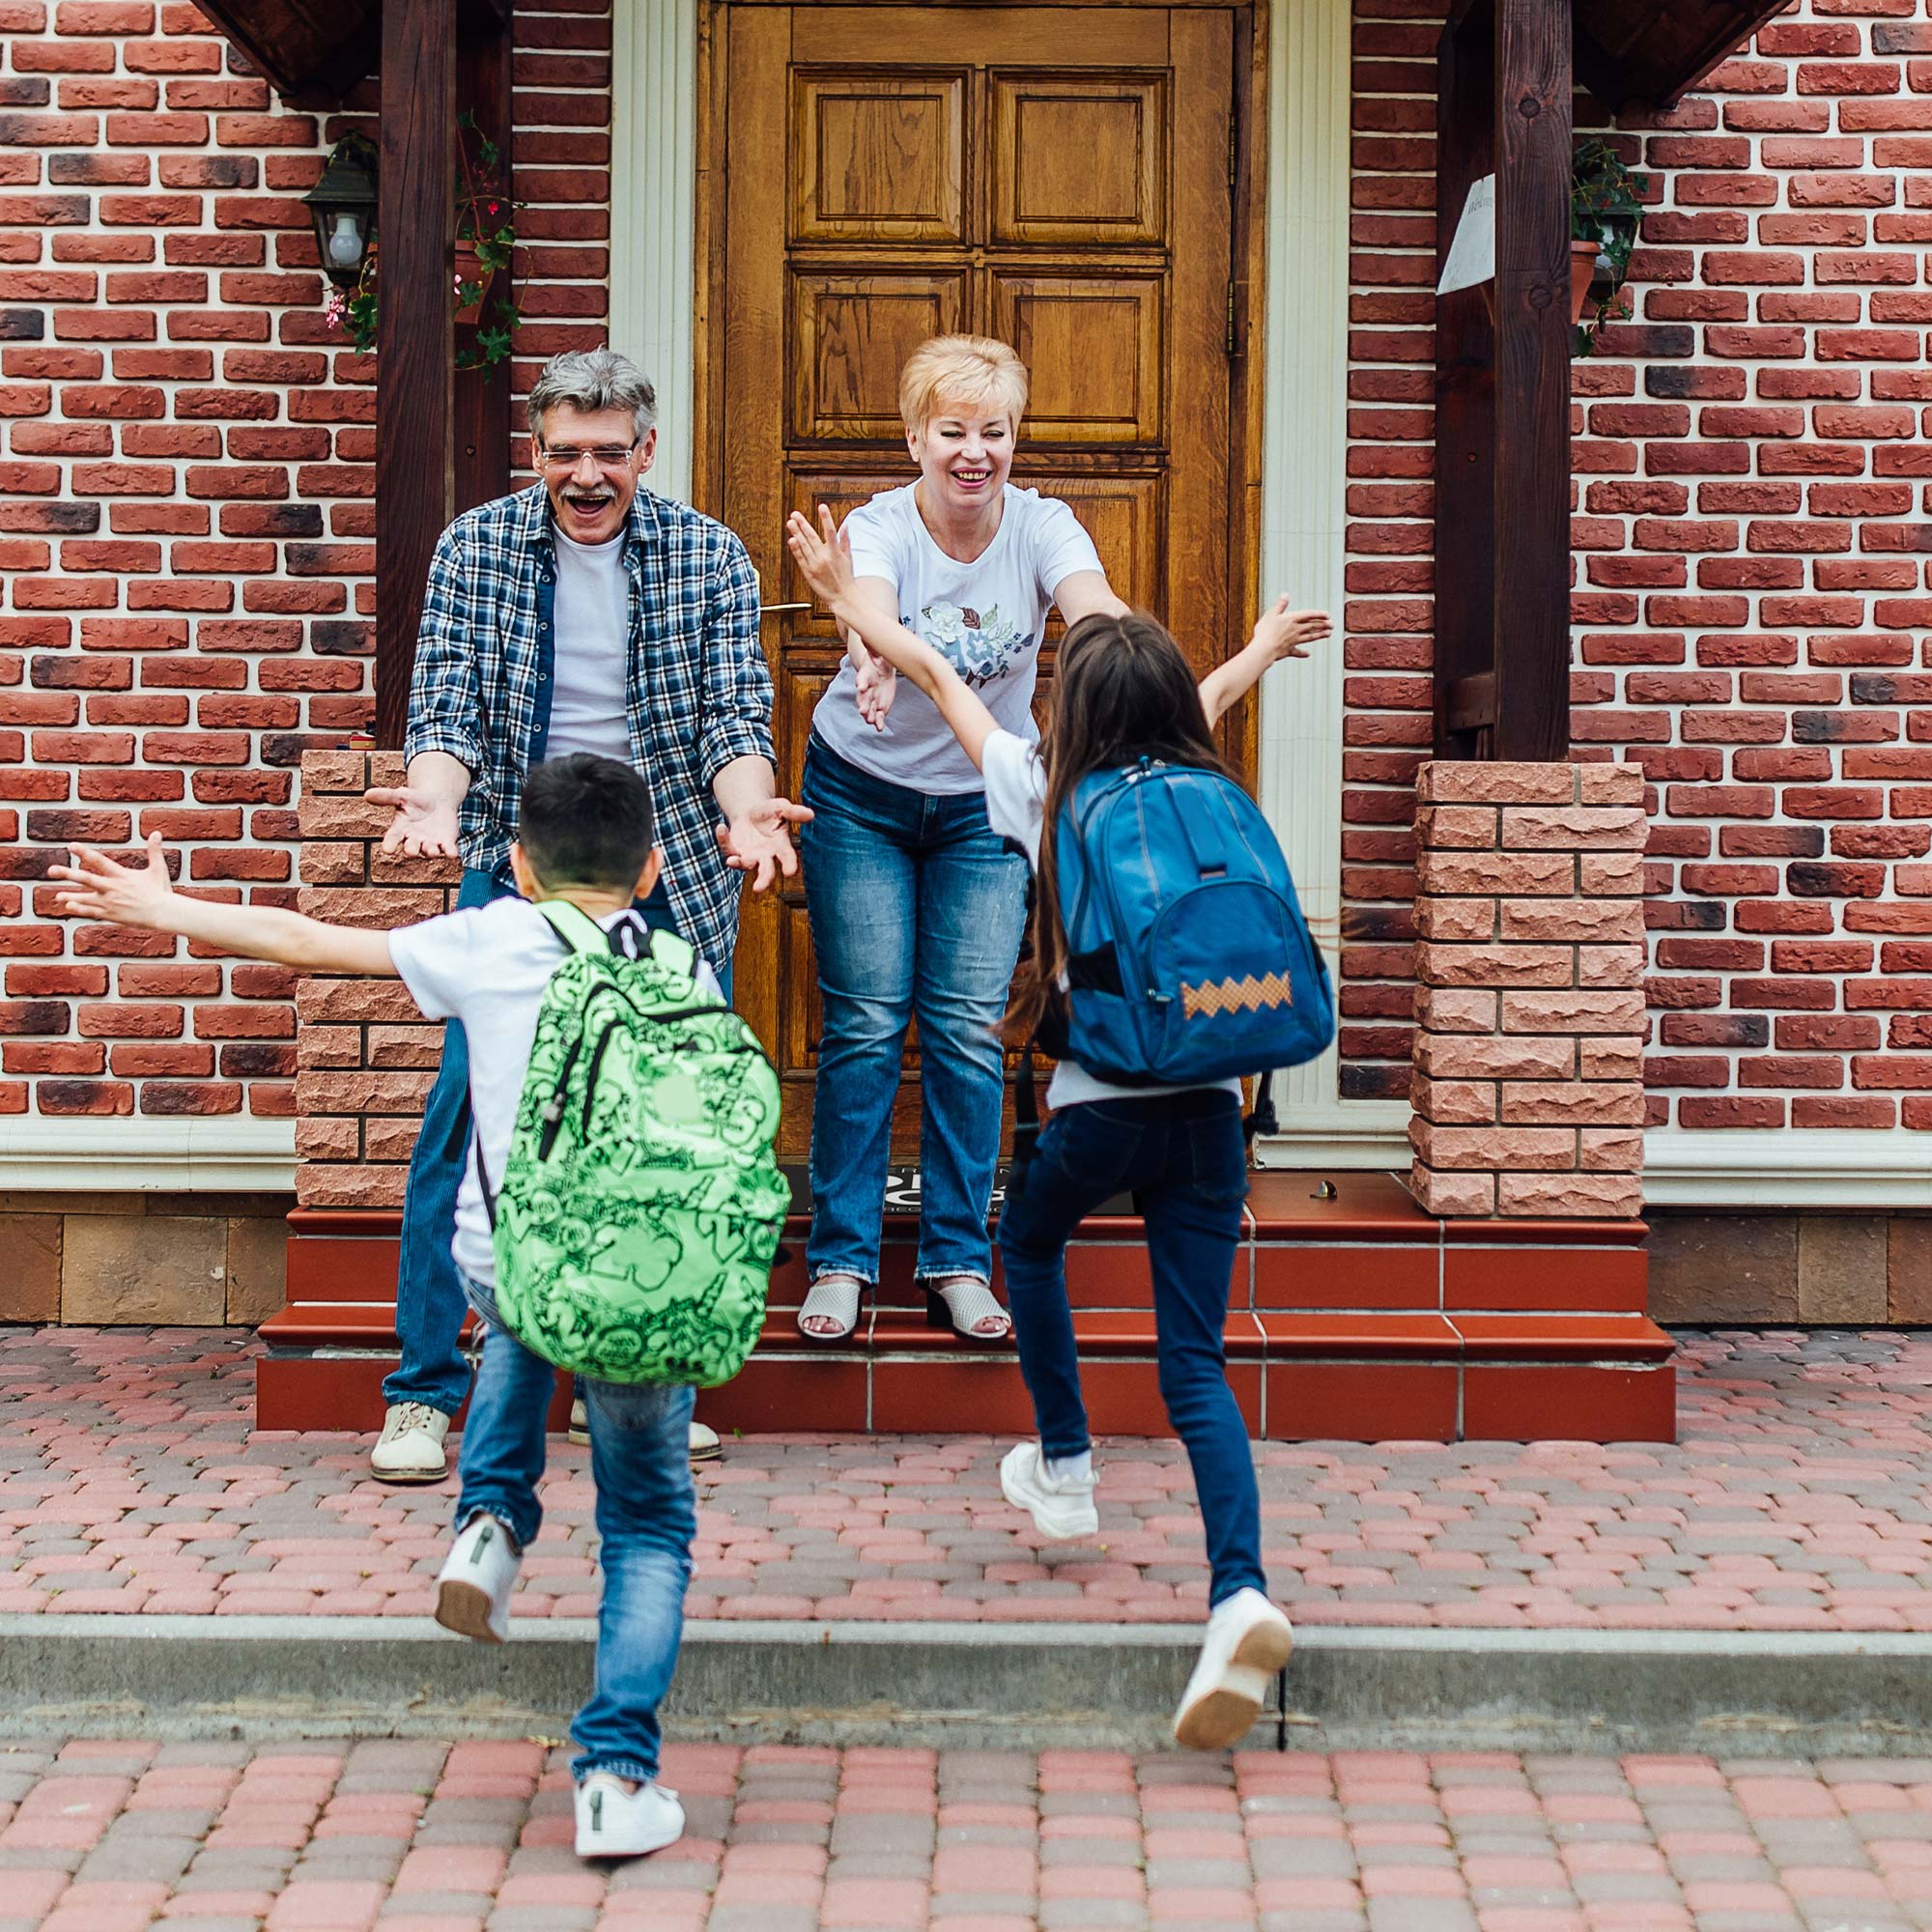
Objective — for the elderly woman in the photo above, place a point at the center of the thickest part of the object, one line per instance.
(916, 908)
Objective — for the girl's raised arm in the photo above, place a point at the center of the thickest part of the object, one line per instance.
(824, 558)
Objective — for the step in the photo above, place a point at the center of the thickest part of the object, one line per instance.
(1700, 1694)
(1354, 1317)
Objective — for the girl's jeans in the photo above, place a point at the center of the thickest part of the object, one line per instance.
(1182, 1156)
(641, 1458)
(917, 910)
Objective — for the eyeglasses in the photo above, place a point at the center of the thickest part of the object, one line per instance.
(609, 456)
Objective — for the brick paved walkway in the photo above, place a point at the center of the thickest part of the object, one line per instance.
(1800, 1498)
(115, 1837)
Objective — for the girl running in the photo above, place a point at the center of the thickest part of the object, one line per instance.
(1121, 692)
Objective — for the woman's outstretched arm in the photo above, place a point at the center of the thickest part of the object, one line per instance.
(824, 557)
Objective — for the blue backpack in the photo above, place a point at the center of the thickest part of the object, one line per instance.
(1189, 959)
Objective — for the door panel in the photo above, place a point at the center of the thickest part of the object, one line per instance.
(878, 158)
(850, 332)
(1058, 177)
(1091, 346)
(1117, 197)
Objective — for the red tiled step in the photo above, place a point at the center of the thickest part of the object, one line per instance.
(1353, 1315)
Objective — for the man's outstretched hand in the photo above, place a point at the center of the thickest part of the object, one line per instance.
(423, 827)
(759, 841)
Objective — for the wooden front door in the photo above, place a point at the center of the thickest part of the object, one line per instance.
(1062, 178)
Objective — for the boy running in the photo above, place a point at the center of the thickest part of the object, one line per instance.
(587, 837)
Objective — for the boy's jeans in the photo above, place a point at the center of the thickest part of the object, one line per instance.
(647, 1518)
(917, 910)
(429, 1291)
(1182, 1157)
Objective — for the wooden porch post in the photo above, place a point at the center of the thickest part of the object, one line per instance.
(1502, 383)
(482, 426)
(414, 387)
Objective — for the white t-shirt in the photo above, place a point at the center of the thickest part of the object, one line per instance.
(985, 619)
(488, 966)
(587, 711)
(1016, 809)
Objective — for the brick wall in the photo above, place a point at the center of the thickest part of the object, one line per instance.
(368, 1057)
(185, 515)
(1751, 603)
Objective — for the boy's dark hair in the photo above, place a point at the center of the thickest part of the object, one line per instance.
(586, 821)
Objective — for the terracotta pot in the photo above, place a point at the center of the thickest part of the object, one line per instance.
(1582, 267)
(469, 268)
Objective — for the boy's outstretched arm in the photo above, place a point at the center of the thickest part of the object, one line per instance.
(143, 897)
(1279, 633)
(824, 557)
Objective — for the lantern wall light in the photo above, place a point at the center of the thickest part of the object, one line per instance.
(342, 205)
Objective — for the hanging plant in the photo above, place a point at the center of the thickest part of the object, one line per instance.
(1607, 208)
(486, 239)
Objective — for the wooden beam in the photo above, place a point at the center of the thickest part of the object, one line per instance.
(1466, 388)
(482, 430)
(1533, 84)
(414, 346)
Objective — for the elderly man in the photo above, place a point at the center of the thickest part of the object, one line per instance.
(581, 615)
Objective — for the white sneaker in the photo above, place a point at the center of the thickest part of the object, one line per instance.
(473, 1588)
(580, 1423)
(1061, 1507)
(1248, 1641)
(614, 1821)
(410, 1448)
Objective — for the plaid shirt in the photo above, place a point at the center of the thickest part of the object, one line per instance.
(699, 691)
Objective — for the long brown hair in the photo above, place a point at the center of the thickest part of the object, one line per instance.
(1121, 692)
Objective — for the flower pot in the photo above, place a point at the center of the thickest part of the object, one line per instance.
(469, 269)
(1582, 268)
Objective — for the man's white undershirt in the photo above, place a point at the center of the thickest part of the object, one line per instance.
(593, 621)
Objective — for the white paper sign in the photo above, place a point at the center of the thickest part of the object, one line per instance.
(1472, 253)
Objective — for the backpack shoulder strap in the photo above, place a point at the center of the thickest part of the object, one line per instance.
(579, 931)
(668, 950)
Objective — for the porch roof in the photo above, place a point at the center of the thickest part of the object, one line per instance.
(1627, 52)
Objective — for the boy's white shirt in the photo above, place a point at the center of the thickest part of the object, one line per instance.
(1016, 809)
(488, 966)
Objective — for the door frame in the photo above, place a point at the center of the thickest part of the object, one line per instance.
(1289, 408)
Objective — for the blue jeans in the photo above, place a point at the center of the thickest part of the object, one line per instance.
(917, 910)
(429, 1291)
(1182, 1156)
(647, 1518)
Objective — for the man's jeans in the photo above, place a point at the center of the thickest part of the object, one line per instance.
(1182, 1157)
(917, 910)
(646, 1520)
(429, 1291)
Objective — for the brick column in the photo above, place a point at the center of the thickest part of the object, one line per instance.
(366, 1056)
(1529, 1062)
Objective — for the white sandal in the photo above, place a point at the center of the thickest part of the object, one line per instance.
(835, 1298)
(966, 1305)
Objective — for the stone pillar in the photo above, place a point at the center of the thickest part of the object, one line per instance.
(366, 1056)
(1529, 1077)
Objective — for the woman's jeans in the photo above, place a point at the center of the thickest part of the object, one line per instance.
(1182, 1157)
(647, 1518)
(917, 910)
(429, 1291)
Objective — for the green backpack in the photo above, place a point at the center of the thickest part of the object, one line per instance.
(642, 1203)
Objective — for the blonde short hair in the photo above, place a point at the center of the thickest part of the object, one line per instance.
(961, 369)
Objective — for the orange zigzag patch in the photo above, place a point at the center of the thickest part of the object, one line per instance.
(1235, 996)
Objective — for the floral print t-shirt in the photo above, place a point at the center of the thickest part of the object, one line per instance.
(985, 619)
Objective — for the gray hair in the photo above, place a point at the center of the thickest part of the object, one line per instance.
(592, 380)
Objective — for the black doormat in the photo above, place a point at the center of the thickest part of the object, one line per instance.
(902, 1192)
